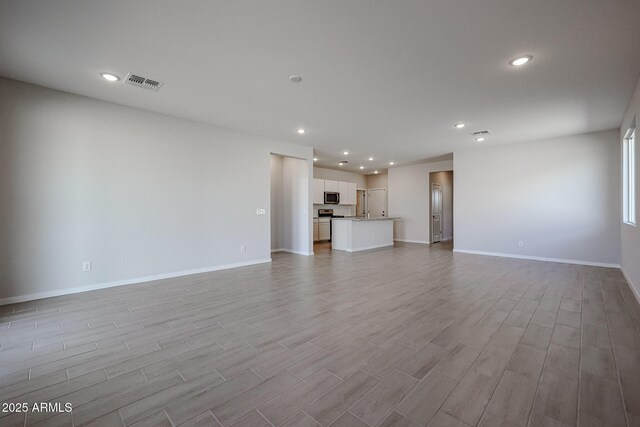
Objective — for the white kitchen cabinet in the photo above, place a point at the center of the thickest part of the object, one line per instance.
(324, 229)
(343, 189)
(352, 193)
(331, 185)
(347, 193)
(318, 191)
(316, 230)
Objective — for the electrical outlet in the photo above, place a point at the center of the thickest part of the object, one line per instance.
(86, 266)
(243, 249)
(520, 243)
(261, 212)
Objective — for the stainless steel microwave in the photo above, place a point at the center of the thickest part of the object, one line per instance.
(331, 198)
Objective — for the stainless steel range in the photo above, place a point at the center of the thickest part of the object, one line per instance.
(324, 221)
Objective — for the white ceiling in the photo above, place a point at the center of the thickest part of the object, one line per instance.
(386, 79)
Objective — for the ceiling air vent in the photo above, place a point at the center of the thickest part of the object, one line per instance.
(481, 133)
(143, 82)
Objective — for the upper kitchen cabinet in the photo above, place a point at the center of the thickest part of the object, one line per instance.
(347, 193)
(318, 191)
(331, 186)
(352, 193)
(343, 189)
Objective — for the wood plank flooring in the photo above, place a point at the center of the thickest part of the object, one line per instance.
(402, 336)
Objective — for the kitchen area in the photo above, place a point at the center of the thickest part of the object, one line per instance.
(349, 217)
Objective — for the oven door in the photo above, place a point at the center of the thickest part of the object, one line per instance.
(331, 198)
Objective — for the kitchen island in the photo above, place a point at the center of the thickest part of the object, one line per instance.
(361, 233)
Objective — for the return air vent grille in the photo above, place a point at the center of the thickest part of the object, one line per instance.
(143, 82)
(481, 133)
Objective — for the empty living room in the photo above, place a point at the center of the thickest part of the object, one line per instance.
(292, 213)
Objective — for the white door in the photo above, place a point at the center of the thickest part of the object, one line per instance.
(377, 203)
(360, 205)
(436, 213)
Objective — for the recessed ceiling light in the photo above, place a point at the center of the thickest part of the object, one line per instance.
(479, 139)
(370, 159)
(346, 153)
(361, 167)
(375, 171)
(521, 60)
(295, 78)
(315, 159)
(341, 164)
(391, 163)
(302, 131)
(459, 125)
(110, 77)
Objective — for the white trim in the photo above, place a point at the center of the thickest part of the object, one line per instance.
(67, 291)
(630, 283)
(292, 251)
(539, 258)
(386, 245)
(422, 242)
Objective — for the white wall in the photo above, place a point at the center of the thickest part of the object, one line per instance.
(445, 179)
(277, 239)
(335, 175)
(380, 180)
(408, 198)
(139, 194)
(294, 224)
(559, 196)
(630, 235)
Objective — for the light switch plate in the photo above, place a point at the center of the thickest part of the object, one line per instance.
(261, 212)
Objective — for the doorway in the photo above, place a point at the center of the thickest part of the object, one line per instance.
(361, 206)
(377, 202)
(441, 209)
(290, 218)
(436, 213)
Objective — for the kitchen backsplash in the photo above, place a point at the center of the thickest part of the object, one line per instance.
(337, 209)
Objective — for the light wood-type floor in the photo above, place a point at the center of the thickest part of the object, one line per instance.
(400, 336)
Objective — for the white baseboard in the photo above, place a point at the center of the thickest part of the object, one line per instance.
(68, 291)
(292, 251)
(369, 247)
(538, 258)
(422, 242)
(630, 283)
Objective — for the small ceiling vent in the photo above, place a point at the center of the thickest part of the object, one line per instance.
(143, 82)
(481, 133)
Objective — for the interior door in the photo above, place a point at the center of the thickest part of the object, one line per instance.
(377, 203)
(360, 204)
(436, 213)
